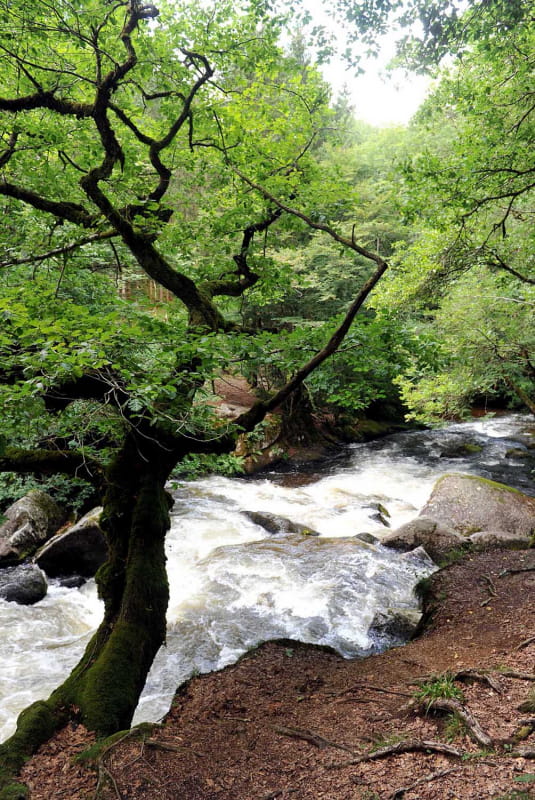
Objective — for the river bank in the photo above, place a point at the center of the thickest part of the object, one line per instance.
(291, 721)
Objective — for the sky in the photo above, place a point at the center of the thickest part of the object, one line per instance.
(380, 100)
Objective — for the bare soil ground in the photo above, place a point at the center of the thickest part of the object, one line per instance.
(294, 722)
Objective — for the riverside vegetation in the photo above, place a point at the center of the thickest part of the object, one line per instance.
(189, 152)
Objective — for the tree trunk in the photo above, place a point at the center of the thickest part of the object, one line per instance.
(520, 393)
(104, 687)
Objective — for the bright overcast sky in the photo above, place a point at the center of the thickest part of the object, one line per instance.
(380, 97)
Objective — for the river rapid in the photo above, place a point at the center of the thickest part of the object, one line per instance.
(234, 585)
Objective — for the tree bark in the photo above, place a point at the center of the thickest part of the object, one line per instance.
(103, 689)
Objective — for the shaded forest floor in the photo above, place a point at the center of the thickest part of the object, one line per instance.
(293, 722)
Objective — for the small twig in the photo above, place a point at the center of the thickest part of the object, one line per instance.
(407, 746)
(490, 585)
(341, 699)
(525, 643)
(371, 688)
(433, 776)
(515, 571)
(309, 736)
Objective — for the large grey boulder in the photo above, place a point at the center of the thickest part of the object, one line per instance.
(24, 584)
(469, 504)
(436, 539)
(79, 550)
(30, 522)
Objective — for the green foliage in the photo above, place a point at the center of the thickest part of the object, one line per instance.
(467, 267)
(197, 465)
(443, 686)
(72, 494)
(525, 778)
(454, 728)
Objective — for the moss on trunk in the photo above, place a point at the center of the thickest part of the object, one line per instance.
(103, 689)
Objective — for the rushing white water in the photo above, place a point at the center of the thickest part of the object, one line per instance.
(40, 644)
(233, 585)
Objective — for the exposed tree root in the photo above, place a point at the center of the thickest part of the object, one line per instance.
(490, 585)
(106, 778)
(157, 744)
(524, 752)
(433, 776)
(525, 729)
(451, 706)
(313, 738)
(479, 675)
(521, 676)
(407, 746)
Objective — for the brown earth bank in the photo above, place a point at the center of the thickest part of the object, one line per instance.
(296, 722)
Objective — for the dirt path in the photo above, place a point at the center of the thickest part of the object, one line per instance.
(287, 720)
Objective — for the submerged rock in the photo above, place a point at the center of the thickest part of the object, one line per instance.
(80, 550)
(469, 504)
(394, 627)
(275, 524)
(30, 522)
(369, 538)
(24, 584)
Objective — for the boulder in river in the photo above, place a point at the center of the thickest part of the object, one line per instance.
(24, 584)
(393, 627)
(468, 504)
(30, 522)
(275, 524)
(436, 539)
(79, 550)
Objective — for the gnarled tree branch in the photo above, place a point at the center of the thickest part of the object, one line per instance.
(49, 462)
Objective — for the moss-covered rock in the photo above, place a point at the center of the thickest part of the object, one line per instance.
(30, 522)
(468, 504)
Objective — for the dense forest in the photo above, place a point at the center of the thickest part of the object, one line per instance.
(183, 197)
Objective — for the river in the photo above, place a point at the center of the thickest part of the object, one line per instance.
(234, 585)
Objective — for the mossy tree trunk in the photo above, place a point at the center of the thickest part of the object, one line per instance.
(103, 690)
(106, 685)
